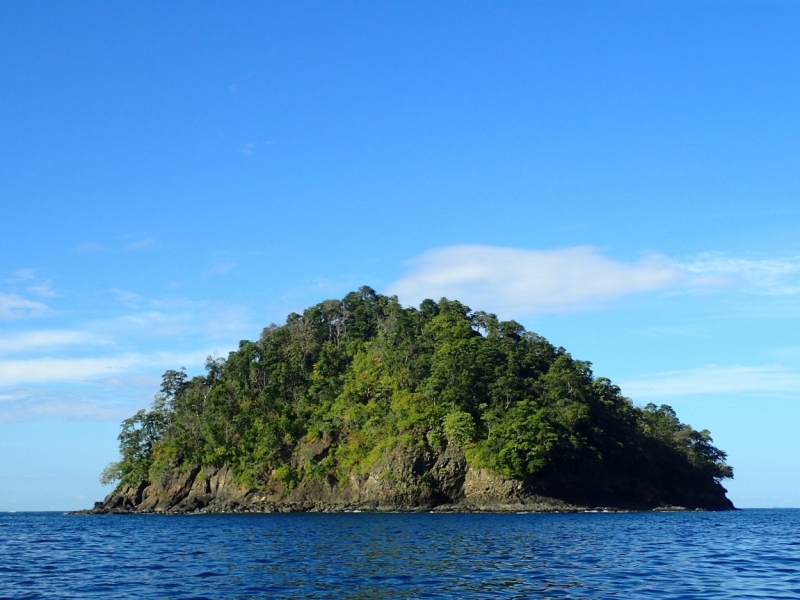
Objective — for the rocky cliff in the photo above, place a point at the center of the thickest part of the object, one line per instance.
(403, 480)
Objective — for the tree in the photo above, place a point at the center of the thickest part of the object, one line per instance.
(366, 375)
(459, 427)
(138, 437)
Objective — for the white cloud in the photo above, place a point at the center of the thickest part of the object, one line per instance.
(89, 389)
(221, 268)
(89, 247)
(13, 306)
(107, 369)
(247, 148)
(143, 243)
(779, 276)
(153, 319)
(26, 404)
(48, 339)
(33, 283)
(126, 297)
(46, 370)
(713, 379)
(43, 288)
(181, 318)
(522, 282)
(70, 409)
(22, 275)
(519, 282)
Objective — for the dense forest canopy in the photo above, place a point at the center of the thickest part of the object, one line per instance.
(367, 375)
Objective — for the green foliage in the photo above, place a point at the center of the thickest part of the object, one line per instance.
(526, 441)
(111, 474)
(365, 375)
(287, 476)
(459, 427)
(140, 433)
(662, 423)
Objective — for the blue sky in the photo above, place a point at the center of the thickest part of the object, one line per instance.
(622, 178)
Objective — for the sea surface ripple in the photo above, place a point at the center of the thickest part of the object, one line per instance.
(741, 554)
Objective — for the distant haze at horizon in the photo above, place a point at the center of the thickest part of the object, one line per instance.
(620, 178)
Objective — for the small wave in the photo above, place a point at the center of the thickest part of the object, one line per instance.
(405, 555)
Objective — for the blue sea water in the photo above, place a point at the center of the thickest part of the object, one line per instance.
(742, 554)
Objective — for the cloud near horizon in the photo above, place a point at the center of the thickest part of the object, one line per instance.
(25, 405)
(771, 275)
(13, 306)
(522, 282)
(106, 368)
(713, 379)
(48, 370)
(48, 340)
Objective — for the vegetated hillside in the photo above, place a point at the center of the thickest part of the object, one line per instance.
(349, 388)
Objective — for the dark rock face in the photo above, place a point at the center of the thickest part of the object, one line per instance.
(402, 480)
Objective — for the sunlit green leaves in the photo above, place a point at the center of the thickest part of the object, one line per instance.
(367, 375)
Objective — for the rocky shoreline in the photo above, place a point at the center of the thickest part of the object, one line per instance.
(402, 481)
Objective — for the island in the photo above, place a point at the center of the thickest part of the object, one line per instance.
(361, 404)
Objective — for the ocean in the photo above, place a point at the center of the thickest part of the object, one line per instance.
(739, 554)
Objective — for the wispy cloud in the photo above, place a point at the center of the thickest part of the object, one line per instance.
(127, 297)
(106, 368)
(523, 282)
(24, 404)
(89, 247)
(142, 243)
(221, 268)
(43, 288)
(42, 374)
(178, 320)
(109, 388)
(250, 147)
(247, 148)
(16, 372)
(714, 379)
(72, 409)
(32, 282)
(776, 275)
(47, 340)
(13, 306)
(22, 275)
